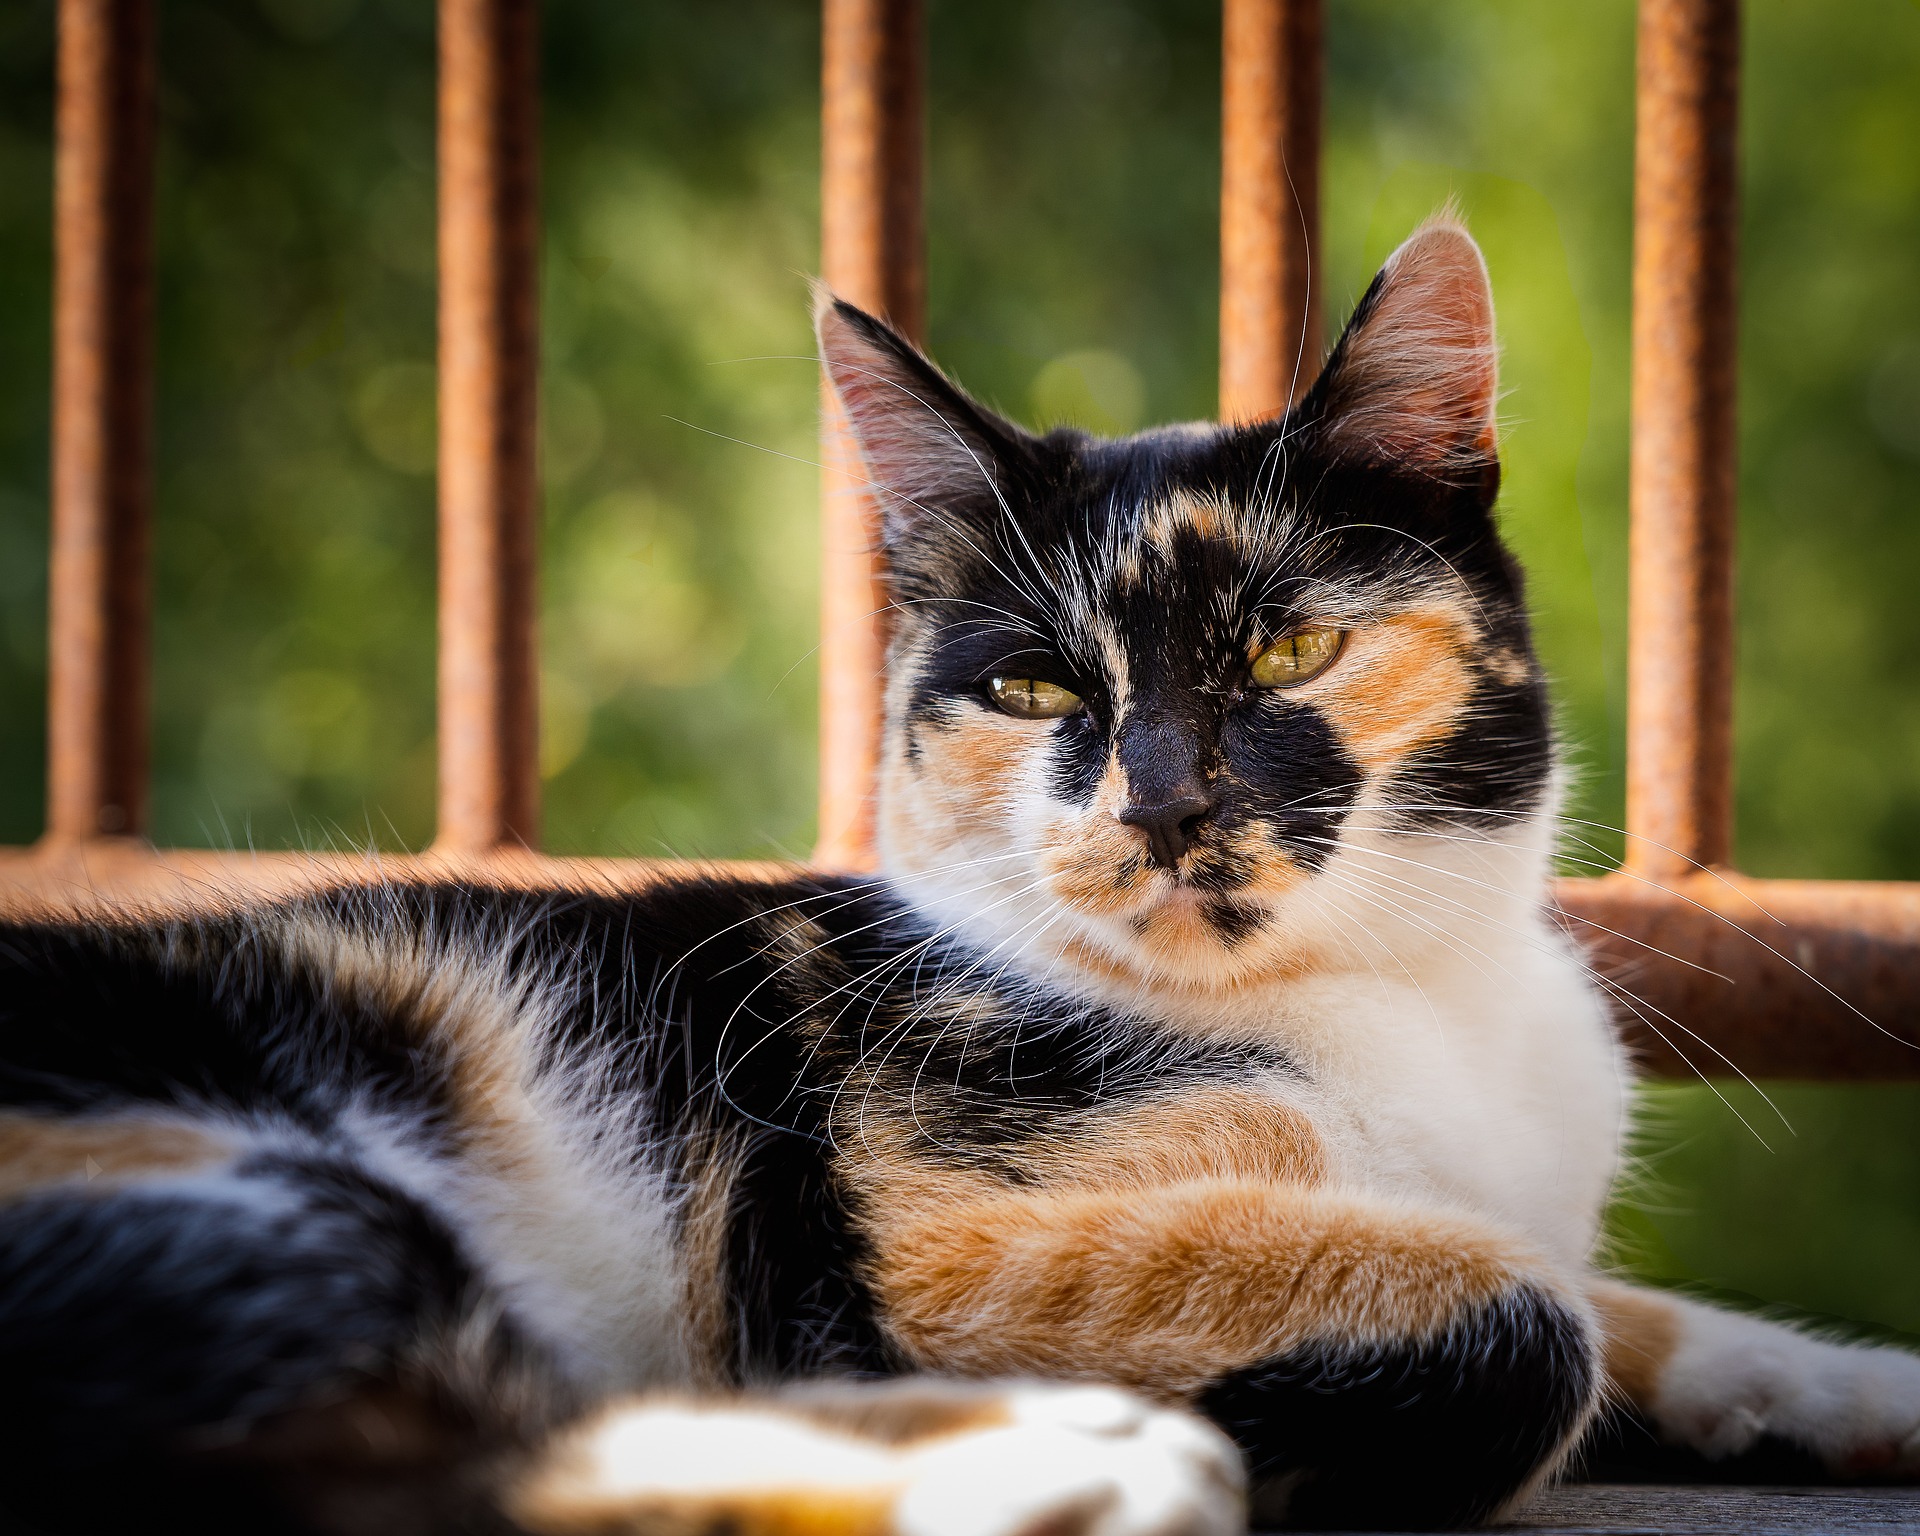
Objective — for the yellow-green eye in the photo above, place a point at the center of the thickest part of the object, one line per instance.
(1304, 654)
(1033, 698)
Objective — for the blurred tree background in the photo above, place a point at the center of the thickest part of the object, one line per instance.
(1073, 261)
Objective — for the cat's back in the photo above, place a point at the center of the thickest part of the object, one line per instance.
(532, 1070)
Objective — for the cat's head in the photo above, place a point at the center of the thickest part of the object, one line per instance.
(1209, 703)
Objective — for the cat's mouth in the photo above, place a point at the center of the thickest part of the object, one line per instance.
(1230, 919)
(1226, 887)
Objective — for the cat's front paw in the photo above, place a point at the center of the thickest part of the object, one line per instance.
(1077, 1461)
(1736, 1380)
(928, 1458)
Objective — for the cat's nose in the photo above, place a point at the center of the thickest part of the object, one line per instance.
(1171, 825)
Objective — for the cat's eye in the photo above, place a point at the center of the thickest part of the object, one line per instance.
(1033, 698)
(1305, 653)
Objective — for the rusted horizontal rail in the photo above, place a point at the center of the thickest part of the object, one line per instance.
(130, 876)
(1816, 979)
(1776, 945)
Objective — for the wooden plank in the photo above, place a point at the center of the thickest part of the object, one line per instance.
(872, 253)
(1708, 1511)
(99, 595)
(489, 362)
(1635, 1509)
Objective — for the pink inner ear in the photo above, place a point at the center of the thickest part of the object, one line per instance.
(1418, 379)
(865, 378)
(910, 447)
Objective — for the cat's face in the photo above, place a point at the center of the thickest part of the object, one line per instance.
(1151, 700)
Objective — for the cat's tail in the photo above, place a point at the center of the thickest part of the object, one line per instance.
(247, 1345)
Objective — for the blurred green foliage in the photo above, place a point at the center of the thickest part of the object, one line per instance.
(1072, 210)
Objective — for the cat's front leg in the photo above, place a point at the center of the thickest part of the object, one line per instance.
(1720, 1384)
(1381, 1365)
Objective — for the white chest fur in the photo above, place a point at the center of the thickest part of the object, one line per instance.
(1492, 1083)
(1453, 1047)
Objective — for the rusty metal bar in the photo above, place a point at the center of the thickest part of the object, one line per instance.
(99, 598)
(489, 359)
(873, 253)
(1680, 632)
(1270, 84)
(1814, 979)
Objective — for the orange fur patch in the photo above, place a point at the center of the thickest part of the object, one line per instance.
(950, 799)
(1222, 1133)
(1092, 860)
(1169, 1289)
(1207, 1133)
(1204, 516)
(559, 1510)
(706, 1230)
(37, 1152)
(464, 1002)
(1640, 1330)
(978, 759)
(912, 1411)
(1165, 1245)
(1398, 686)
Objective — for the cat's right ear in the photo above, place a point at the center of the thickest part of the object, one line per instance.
(935, 457)
(1414, 380)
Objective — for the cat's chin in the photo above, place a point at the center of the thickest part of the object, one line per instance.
(1186, 939)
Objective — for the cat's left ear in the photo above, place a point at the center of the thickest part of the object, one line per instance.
(934, 454)
(1414, 379)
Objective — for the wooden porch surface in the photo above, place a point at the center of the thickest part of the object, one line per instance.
(1644, 1509)
(1697, 1511)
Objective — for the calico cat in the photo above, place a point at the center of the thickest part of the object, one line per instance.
(1208, 1050)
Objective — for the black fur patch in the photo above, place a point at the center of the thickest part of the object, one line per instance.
(94, 1018)
(1234, 921)
(1080, 751)
(1413, 1436)
(1626, 1448)
(144, 1332)
(1287, 771)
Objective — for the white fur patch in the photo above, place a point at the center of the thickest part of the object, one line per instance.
(1078, 1459)
(1072, 1461)
(566, 1214)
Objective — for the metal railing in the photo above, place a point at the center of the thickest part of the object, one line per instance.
(1806, 979)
